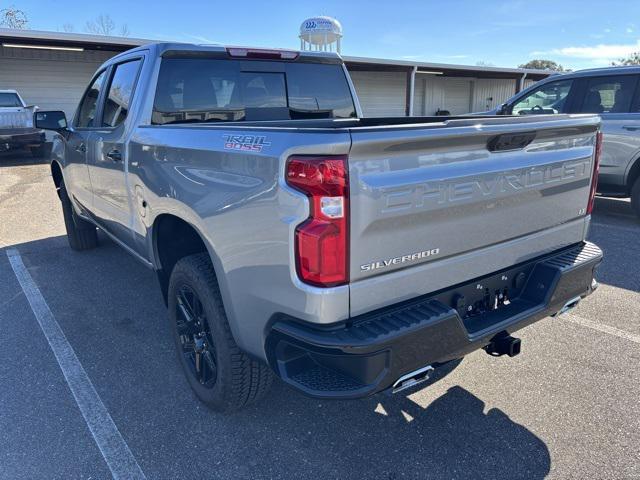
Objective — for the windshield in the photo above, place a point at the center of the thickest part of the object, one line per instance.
(8, 99)
(214, 90)
(549, 98)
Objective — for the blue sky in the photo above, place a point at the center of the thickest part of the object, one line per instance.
(578, 34)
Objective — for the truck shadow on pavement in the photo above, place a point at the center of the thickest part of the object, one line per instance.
(395, 437)
(111, 311)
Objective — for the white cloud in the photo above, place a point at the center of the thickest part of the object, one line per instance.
(629, 30)
(602, 52)
(201, 39)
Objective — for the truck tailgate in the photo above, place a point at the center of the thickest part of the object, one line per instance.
(438, 193)
(16, 118)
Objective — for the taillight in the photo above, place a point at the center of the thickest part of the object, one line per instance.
(596, 170)
(322, 252)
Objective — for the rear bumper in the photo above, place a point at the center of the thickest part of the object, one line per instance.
(370, 352)
(11, 139)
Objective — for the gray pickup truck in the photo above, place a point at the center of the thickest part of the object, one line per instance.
(347, 255)
(16, 125)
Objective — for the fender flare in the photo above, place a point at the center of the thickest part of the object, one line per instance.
(213, 255)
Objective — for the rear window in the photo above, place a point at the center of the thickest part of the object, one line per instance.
(213, 90)
(9, 100)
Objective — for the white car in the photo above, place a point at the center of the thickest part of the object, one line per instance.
(16, 125)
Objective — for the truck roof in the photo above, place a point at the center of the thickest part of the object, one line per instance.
(8, 91)
(159, 49)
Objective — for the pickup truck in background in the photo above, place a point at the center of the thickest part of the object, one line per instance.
(16, 125)
(614, 94)
(347, 255)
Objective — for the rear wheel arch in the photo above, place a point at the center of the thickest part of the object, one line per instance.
(633, 174)
(174, 238)
(56, 174)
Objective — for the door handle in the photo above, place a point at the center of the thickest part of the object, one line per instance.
(631, 128)
(115, 155)
(82, 148)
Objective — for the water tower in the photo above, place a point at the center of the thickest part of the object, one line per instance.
(320, 34)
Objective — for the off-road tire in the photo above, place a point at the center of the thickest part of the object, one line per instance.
(635, 197)
(81, 234)
(240, 380)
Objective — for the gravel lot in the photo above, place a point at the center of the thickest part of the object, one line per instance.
(567, 407)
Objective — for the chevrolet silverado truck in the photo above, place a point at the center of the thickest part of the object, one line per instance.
(16, 125)
(293, 236)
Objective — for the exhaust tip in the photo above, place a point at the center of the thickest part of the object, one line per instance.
(570, 305)
(411, 379)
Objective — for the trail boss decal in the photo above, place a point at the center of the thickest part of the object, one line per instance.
(399, 260)
(245, 143)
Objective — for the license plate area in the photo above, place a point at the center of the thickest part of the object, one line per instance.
(484, 301)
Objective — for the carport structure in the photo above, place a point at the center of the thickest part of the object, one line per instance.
(52, 69)
(396, 87)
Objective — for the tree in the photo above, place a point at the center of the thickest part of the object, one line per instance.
(13, 18)
(104, 25)
(633, 59)
(540, 64)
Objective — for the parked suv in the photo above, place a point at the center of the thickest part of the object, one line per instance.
(614, 94)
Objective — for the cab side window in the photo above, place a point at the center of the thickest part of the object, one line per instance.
(89, 103)
(549, 98)
(609, 94)
(118, 99)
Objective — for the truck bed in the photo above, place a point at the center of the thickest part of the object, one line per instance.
(387, 122)
(416, 185)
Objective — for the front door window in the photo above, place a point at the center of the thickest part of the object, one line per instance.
(549, 98)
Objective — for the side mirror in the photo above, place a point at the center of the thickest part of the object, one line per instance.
(53, 120)
(504, 108)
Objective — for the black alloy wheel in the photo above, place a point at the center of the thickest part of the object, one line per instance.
(195, 337)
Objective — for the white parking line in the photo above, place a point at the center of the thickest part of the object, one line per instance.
(601, 327)
(114, 449)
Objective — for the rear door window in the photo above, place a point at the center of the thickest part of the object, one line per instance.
(548, 98)
(9, 100)
(612, 94)
(216, 90)
(89, 104)
(118, 100)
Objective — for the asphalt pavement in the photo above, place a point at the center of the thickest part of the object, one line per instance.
(567, 407)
